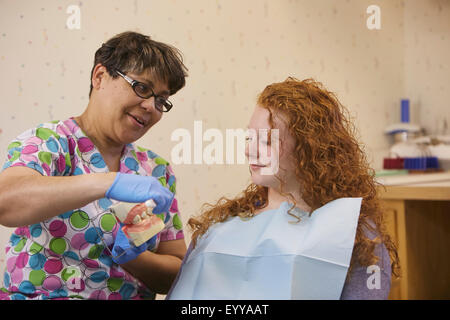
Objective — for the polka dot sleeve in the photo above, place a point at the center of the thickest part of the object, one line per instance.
(42, 149)
(172, 220)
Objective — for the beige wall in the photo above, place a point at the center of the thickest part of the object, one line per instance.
(427, 62)
(232, 49)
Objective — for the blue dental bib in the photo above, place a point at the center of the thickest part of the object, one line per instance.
(272, 256)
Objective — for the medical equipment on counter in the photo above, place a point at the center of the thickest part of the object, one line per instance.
(412, 150)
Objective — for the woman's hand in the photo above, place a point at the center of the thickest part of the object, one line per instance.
(157, 270)
(123, 251)
(138, 189)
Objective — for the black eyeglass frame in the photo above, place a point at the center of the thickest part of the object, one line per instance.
(161, 103)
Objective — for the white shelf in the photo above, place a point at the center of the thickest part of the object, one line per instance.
(416, 179)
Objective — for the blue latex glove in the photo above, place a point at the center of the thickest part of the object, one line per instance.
(138, 189)
(122, 244)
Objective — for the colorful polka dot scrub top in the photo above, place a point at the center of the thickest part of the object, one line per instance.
(67, 256)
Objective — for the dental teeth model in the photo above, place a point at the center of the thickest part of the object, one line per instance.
(140, 223)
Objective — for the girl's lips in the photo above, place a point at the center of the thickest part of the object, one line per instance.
(255, 166)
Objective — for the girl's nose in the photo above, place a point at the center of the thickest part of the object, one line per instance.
(251, 149)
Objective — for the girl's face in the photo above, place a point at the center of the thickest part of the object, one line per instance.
(269, 154)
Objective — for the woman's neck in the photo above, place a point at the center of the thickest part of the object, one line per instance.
(92, 128)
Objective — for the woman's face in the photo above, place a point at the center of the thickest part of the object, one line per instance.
(269, 155)
(126, 116)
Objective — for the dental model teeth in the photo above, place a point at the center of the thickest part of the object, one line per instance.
(142, 232)
(140, 223)
(137, 219)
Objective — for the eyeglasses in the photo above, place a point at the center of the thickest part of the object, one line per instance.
(145, 92)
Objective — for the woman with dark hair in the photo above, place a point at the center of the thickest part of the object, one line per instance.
(61, 178)
(312, 230)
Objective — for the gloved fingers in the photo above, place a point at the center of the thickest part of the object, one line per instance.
(152, 241)
(160, 203)
(122, 255)
(141, 248)
(118, 254)
(117, 251)
(121, 239)
(130, 187)
(136, 188)
(162, 199)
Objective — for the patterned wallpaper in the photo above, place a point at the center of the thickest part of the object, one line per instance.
(233, 49)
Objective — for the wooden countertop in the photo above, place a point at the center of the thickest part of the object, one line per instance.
(415, 193)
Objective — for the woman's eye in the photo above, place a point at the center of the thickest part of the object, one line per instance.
(142, 88)
(161, 100)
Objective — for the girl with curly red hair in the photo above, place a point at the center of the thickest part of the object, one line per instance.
(325, 194)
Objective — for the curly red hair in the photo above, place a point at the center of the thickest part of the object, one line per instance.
(331, 165)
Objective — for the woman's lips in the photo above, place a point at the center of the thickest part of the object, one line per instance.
(135, 120)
